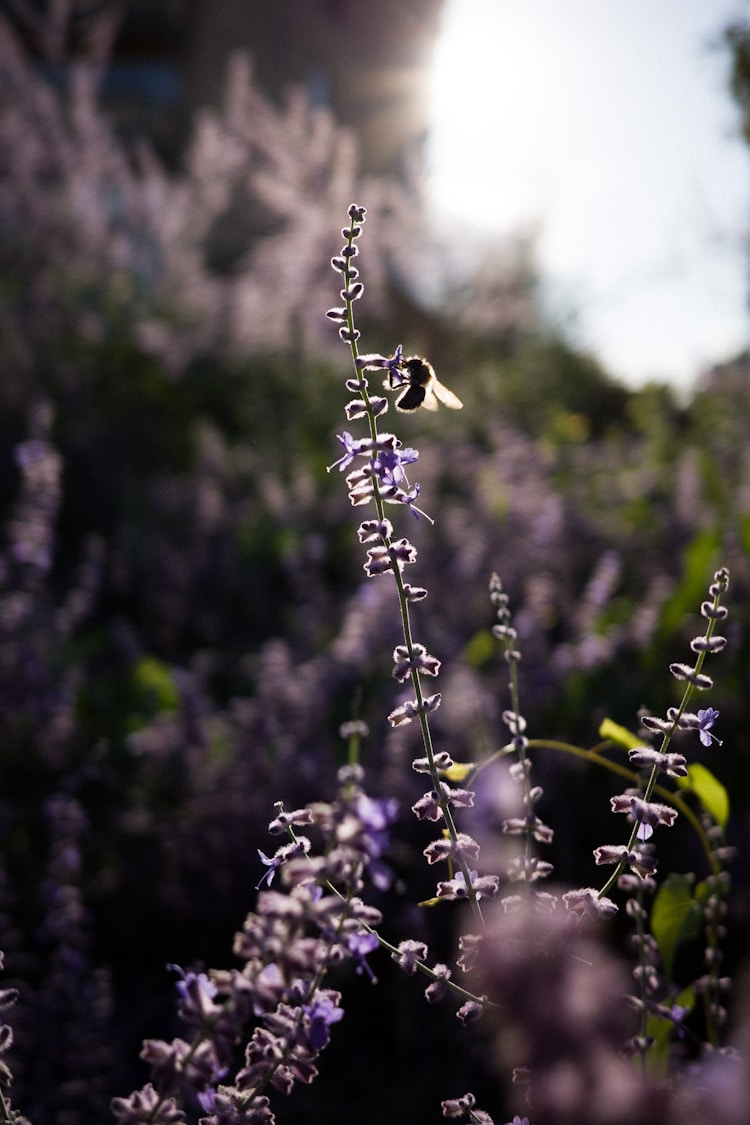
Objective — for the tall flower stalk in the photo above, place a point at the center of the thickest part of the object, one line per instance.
(645, 812)
(381, 479)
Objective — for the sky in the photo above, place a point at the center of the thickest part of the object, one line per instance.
(606, 128)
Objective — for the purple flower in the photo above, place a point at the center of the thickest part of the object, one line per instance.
(461, 1107)
(271, 863)
(410, 498)
(352, 446)
(196, 991)
(458, 1107)
(376, 814)
(374, 360)
(359, 946)
(586, 900)
(649, 814)
(297, 847)
(706, 720)
(409, 954)
(284, 819)
(437, 990)
(638, 861)
(675, 765)
(389, 464)
(464, 847)
(323, 1011)
(395, 361)
(369, 530)
(428, 806)
(418, 657)
(147, 1105)
(485, 886)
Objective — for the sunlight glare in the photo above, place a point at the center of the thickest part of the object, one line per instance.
(605, 133)
(489, 108)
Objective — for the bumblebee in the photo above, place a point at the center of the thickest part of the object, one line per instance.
(423, 388)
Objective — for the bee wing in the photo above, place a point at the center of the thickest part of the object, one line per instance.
(453, 402)
(430, 402)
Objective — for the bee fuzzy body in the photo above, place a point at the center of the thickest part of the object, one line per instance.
(422, 387)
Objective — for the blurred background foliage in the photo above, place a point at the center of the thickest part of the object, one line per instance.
(184, 616)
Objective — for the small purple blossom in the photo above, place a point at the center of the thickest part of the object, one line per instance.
(463, 848)
(323, 1011)
(374, 361)
(484, 886)
(706, 720)
(370, 530)
(644, 757)
(352, 446)
(442, 761)
(271, 862)
(458, 1107)
(147, 1105)
(466, 1106)
(359, 947)
(528, 825)
(285, 820)
(410, 499)
(409, 954)
(586, 900)
(649, 814)
(376, 814)
(378, 561)
(418, 658)
(428, 806)
(389, 465)
(638, 861)
(437, 990)
(373, 818)
(196, 991)
(691, 675)
(297, 847)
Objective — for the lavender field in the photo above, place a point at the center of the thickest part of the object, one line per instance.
(208, 586)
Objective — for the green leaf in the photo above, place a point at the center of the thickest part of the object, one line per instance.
(154, 686)
(613, 732)
(480, 649)
(698, 560)
(709, 791)
(675, 917)
(459, 771)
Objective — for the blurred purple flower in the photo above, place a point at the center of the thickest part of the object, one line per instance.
(323, 1011)
(359, 947)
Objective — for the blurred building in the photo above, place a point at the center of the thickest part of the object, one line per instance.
(366, 59)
